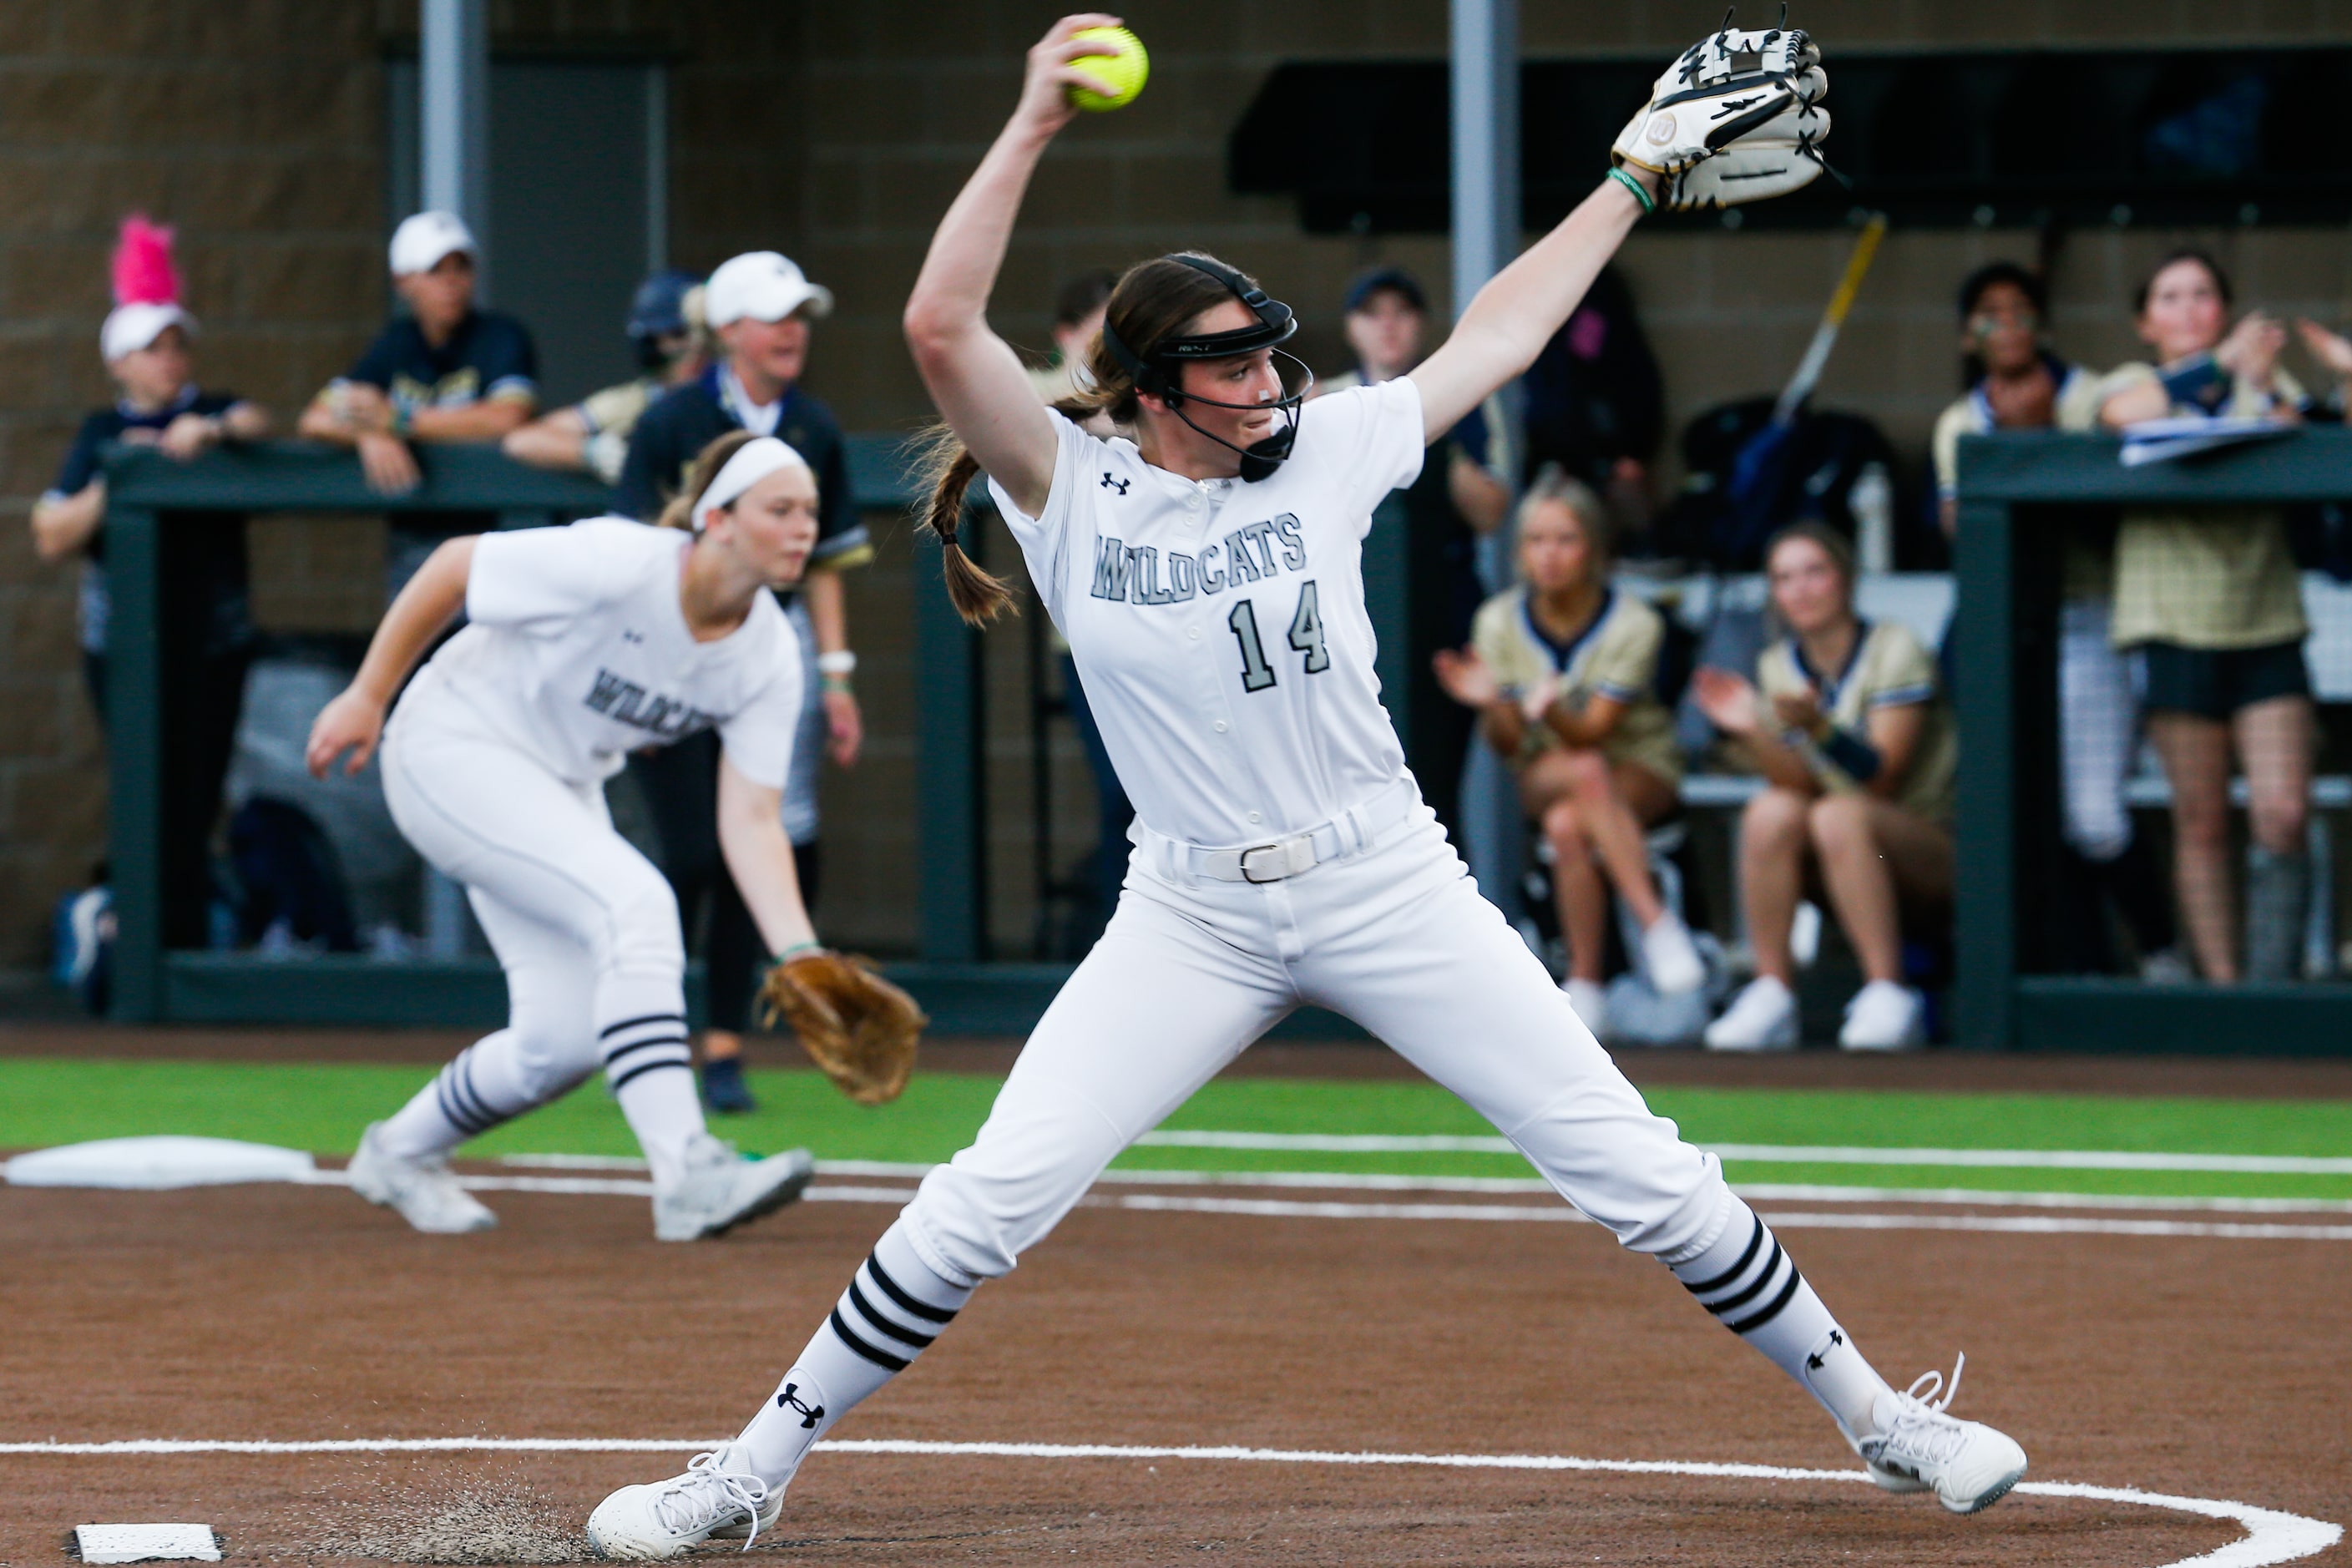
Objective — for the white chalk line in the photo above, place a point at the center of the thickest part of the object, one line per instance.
(1552, 1213)
(1785, 1153)
(2271, 1536)
(1361, 1181)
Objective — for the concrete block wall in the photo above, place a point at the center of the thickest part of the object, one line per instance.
(839, 132)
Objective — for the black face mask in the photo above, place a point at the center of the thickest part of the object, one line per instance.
(1159, 375)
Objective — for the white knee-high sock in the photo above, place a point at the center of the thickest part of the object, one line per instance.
(1752, 1285)
(641, 1035)
(894, 1307)
(481, 1089)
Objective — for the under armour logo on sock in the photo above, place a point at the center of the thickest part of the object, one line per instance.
(1813, 1361)
(1119, 485)
(790, 1399)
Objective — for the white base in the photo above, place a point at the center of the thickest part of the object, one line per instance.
(146, 1544)
(154, 1163)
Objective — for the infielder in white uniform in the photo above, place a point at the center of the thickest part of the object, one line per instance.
(1208, 575)
(581, 644)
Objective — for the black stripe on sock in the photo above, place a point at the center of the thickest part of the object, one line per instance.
(609, 1030)
(1763, 1278)
(897, 1293)
(866, 1308)
(461, 1084)
(464, 1116)
(880, 1358)
(1774, 1310)
(641, 1069)
(619, 1051)
(1728, 1276)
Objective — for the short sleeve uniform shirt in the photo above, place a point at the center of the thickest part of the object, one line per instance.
(576, 652)
(1888, 669)
(1616, 657)
(1220, 627)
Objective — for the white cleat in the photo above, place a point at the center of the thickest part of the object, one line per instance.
(721, 1189)
(423, 1192)
(1589, 1000)
(1671, 957)
(1969, 1466)
(1762, 1017)
(1885, 1016)
(668, 1519)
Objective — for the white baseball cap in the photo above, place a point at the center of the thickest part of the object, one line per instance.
(130, 328)
(421, 241)
(763, 286)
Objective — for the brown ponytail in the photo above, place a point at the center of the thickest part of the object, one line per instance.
(678, 510)
(1154, 302)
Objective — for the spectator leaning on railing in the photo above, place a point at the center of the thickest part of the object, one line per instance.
(444, 372)
(759, 308)
(672, 345)
(2015, 383)
(1859, 760)
(206, 630)
(1562, 675)
(2211, 598)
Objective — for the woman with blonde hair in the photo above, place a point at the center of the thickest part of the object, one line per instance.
(1561, 671)
(582, 645)
(1856, 748)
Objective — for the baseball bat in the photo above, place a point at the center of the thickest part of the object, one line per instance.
(1825, 336)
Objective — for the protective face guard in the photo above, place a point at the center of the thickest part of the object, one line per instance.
(1159, 374)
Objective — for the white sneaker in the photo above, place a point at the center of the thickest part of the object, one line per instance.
(1885, 1016)
(1590, 999)
(669, 1518)
(1968, 1465)
(1762, 1017)
(423, 1192)
(1671, 957)
(721, 1189)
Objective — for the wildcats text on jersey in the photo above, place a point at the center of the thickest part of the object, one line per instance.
(1140, 575)
(624, 701)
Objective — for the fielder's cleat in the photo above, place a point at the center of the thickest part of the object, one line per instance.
(721, 1189)
(422, 1191)
(724, 1088)
(1969, 1466)
(669, 1518)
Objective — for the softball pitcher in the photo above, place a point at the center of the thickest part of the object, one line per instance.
(1208, 575)
(581, 644)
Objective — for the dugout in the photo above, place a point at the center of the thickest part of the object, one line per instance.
(2023, 497)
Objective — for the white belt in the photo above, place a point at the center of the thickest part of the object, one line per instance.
(1350, 833)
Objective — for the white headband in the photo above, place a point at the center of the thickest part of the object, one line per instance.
(754, 460)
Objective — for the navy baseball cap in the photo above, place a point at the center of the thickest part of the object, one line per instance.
(659, 308)
(1368, 284)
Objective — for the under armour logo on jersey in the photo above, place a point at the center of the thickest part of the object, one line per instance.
(1813, 1362)
(790, 1399)
(1119, 485)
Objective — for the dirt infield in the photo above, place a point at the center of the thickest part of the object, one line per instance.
(2185, 1366)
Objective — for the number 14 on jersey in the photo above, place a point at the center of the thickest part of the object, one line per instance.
(1305, 637)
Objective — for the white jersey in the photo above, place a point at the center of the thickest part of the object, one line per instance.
(577, 653)
(1220, 627)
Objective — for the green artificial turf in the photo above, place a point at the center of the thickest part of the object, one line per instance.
(322, 1107)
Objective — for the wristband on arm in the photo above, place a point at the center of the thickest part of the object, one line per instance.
(1857, 758)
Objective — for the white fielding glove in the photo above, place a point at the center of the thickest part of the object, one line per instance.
(1735, 117)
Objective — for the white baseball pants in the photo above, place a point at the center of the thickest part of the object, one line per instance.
(585, 927)
(1397, 937)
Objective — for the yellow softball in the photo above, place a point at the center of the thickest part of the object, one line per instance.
(1123, 65)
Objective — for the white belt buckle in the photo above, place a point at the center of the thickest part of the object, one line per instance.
(1274, 858)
